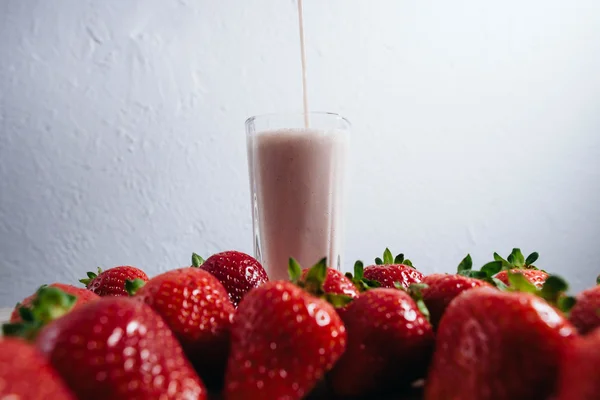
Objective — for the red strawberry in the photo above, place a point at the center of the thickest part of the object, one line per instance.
(516, 262)
(238, 272)
(336, 283)
(535, 276)
(389, 344)
(26, 374)
(391, 270)
(119, 349)
(579, 377)
(326, 283)
(82, 295)
(585, 315)
(283, 342)
(441, 289)
(498, 345)
(196, 307)
(112, 281)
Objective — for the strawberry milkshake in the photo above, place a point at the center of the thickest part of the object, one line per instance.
(296, 179)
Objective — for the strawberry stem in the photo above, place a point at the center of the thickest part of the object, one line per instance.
(313, 282)
(197, 260)
(388, 259)
(90, 276)
(359, 280)
(50, 303)
(132, 286)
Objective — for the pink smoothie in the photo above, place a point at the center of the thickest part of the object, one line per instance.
(298, 181)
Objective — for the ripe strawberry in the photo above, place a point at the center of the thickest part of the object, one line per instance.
(82, 295)
(283, 342)
(238, 272)
(578, 377)
(585, 315)
(535, 276)
(119, 349)
(391, 270)
(516, 262)
(499, 345)
(112, 281)
(335, 282)
(389, 344)
(26, 374)
(326, 283)
(442, 289)
(196, 307)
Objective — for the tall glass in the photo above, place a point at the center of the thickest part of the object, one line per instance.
(297, 183)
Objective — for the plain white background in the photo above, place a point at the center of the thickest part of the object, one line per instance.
(475, 128)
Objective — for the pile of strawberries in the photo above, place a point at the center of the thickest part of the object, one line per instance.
(221, 329)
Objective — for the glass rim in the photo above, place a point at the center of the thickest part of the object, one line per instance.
(253, 118)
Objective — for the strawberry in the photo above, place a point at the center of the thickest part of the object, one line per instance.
(119, 349)
(112, 281)
(585, 315)
(196, 307)
(493, 344)
(238, 272)
(578, 377)
(441, 289)
(26, 374)
(82, 295)
(48, 304)
(516, 262)
(283, 342)
(336, 283)
(535, 276)
(389, 344)
(326, 283)
(391, 270)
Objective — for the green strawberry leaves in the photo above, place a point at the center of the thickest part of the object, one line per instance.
(359, 280)
(532, 258)
(388, 258)
(598, 280)
(553, 290)
(465, 265)
(90, 276)
(48, 304)
(314, 280)
(132, 286)
(197, 260)
(486, 273)
(516, 260)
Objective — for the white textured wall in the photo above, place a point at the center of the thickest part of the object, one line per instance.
(476, 128)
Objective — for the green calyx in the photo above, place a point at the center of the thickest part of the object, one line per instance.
(598, 280)
(197, 260)
(486, 273)
(314, 280)
(553, 290)
(90, 277)
(49, 304)
(516, 260)
(388, 258)
(359, 280)
(415, 290)
(132, 286)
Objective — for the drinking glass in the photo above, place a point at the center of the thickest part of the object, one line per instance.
(297, 171)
